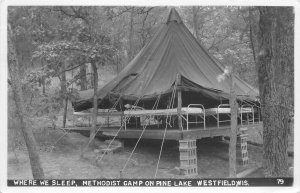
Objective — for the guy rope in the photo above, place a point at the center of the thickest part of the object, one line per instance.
(162, 143)
(107, 148)
(65, 132)
(115, 104)
(144, 128)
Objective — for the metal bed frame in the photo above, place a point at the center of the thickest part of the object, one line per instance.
(187, 112)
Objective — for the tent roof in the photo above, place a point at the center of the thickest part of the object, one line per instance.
(173, 50)
(174, 16)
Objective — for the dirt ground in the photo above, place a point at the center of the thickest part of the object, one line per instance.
(61, 159)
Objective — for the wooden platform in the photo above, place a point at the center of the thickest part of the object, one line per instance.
(171, 134)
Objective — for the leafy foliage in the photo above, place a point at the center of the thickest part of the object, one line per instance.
(224, 31)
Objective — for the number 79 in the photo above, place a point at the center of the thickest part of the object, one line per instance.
(280, 181)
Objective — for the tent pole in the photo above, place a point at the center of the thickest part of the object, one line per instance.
(179, 101)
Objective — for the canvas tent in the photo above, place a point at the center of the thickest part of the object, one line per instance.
(172, 51)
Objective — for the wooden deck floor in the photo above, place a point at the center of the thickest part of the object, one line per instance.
(171, 133)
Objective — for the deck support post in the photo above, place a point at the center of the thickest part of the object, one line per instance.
(242, 153)
(233, 133)
(188, 157)
(179, 101)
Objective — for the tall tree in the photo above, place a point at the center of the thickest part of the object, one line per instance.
(130, 36)
(95, 104)
(83, 80)
(233, 134)
(16, 82)
(275, 71)
(195, 21)
(92, 45)
(64, 95)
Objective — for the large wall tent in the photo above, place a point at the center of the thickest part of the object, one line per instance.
(153, 72)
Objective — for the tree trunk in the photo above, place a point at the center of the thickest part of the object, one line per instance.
(275, 61)
(83, 81)
(251, 34)
(233, 134)
(195, 21)
(14, 71)
(130, 38)
(64, 94)
(44, 85)
(95, 105)
(65, 111)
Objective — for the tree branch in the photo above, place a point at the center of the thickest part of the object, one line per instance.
(126, 10)
(219, 41)
(75, 13)
(77, 78)
(71, 68)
